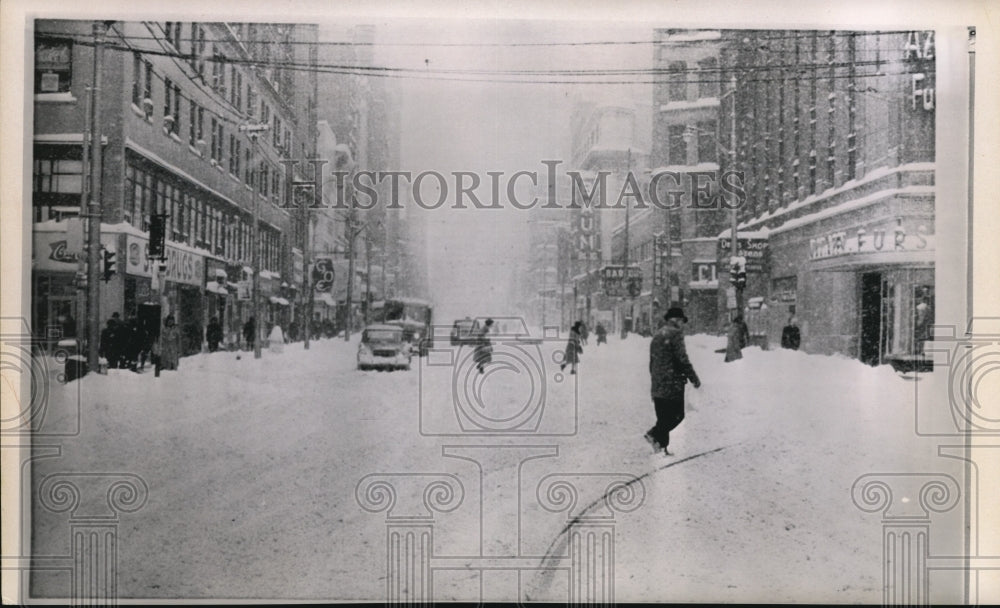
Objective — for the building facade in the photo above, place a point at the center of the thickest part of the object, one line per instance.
(685, 156)
(172, 101)
(835, 132)
(610, 141)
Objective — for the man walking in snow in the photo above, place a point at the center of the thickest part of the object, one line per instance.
(670, 369)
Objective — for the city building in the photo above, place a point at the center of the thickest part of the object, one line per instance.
(610, 138)
(173, 101)
(835, 132)
(363, 115)
(685, 155)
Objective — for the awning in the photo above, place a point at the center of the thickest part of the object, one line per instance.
(216, 288)
(279, 301)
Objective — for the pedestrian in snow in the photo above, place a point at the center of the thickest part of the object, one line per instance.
(276, 340)
(574, 348)
(213, 334)
(249, 329)
(167, 348)
(790, 335)
(110, 347)
(670, 369)
(484, 350)
(584, 332)
(738, 338)
(131, 345)
(602, 334)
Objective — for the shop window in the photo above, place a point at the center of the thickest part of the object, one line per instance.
(53, 65)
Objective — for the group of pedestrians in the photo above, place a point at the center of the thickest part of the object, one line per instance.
(129, 344)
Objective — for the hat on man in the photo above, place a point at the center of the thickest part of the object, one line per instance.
(675, 313)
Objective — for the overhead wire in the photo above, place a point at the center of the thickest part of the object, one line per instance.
(508, 76)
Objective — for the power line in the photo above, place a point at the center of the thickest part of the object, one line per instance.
(794, 34)
(439, 74)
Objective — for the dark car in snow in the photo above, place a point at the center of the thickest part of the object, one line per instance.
(383, 347)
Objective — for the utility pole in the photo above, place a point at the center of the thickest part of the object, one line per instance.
(252, 130)
(732, 159)
(348, 316)
(307, 290)
(628, 163)
(368, 276)
(94, 210)
(734, 335)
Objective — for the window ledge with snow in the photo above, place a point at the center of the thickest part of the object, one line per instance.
(703, 284)
(64, 97)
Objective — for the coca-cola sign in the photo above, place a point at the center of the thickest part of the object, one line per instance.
(52, 251)
(59, 253)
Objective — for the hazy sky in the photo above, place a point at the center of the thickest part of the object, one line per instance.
(485, 126)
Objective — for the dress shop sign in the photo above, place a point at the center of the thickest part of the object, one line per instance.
(181, 266)
(846, 242)
(753, 249)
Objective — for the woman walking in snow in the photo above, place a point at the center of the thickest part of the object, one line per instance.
(167, 347)
(574, 348)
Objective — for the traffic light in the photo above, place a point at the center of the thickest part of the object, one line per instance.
(157, 236)
(738, 271)
(108, 268)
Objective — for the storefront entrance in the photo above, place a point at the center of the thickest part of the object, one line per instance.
(872, 287)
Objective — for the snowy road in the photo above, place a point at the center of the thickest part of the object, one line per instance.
(253, 469)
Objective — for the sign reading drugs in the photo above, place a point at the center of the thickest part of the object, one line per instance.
(181, 266)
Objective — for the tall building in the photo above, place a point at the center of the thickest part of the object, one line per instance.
(687, 101)
(835, 132)
(172, 101)
(610, 139)
(363, 114)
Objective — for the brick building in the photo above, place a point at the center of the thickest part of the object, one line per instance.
(173, 97)
(835, 133)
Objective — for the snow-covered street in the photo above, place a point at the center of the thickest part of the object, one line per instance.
(253, 470)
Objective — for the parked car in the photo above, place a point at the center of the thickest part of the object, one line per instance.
(383, 347)
(464, 331)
